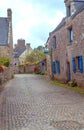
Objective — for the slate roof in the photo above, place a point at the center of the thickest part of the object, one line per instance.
(4, 29)
(19, 52)
(79, 8)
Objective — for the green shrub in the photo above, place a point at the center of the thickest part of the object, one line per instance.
(31, 63)
(74, 84)
(21, 65)
(12, 76)
(43, 73)
(5, 61)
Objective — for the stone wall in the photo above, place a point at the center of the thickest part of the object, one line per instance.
(6, 75)
(59, 53)
(48, 66)
(26, 69)
(65, 50)
(29, 69)
(77, 47)
(4, 51)
(7, 51)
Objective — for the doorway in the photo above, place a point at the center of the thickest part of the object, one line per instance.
(68, 71)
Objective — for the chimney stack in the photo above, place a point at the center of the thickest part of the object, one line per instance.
(9, 15)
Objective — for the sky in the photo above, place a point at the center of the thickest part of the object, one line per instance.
(33, 19)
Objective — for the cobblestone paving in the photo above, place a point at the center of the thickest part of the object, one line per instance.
(31, 103)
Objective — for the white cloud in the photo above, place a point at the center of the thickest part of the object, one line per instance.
(56, 19)
(27, 16)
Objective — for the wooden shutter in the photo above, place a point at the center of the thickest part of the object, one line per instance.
(81, 64)
(58, 67)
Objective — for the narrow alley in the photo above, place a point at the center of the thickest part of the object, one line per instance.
(29, 102)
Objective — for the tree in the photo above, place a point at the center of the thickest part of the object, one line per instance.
(35, 56)
(40, 48)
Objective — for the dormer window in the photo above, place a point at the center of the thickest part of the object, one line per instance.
(73, 8)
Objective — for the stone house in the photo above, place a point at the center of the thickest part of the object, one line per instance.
(20, 52)
(66, 44)
(6, 38)
(20, 44)
(27, 51)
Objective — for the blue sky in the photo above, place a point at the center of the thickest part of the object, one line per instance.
(33, 19)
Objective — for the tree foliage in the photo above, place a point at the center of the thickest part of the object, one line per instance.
(40, 48)
(35, 56)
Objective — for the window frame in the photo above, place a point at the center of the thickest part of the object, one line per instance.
(55, 42)
(70, 35)
(77, 64)
(58, 67)
(54, 67)
(68, 10)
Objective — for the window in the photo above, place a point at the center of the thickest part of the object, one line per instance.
(80, 64)
(58, 66)
(54, 39)
(73, 65)
(54, 67)
(70, 35)
(77, 64)
(69, 11)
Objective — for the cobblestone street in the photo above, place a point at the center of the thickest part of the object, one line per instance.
(31, 103)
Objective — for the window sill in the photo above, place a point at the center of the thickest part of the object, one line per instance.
(70, 43)
(77, 71)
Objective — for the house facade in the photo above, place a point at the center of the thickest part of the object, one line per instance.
(20, 52)
(27, 51)
(6, 39)
(66, 43)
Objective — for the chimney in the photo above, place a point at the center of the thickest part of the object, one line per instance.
(9, 15)
(28, 46)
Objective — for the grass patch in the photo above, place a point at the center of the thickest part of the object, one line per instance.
(75, 88)
(26, 73)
